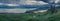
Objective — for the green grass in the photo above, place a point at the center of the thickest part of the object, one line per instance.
(31, 17)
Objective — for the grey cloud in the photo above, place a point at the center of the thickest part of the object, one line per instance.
(16, 10)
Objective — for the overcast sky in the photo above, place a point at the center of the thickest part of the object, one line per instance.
(24, 2)
(21, 2)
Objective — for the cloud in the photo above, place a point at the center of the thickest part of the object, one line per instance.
(23, 2)
(1, 3)
(56, 1)
(15, 10)
(17, 3)
(9, 1)
(57, 5)
(11, 4)
(12, 10)
(32, 2)
(41, 11)
(41, 3)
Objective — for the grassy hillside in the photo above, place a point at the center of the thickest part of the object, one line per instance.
(31, 17)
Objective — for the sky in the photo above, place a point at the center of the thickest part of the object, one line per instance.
(23, 3)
